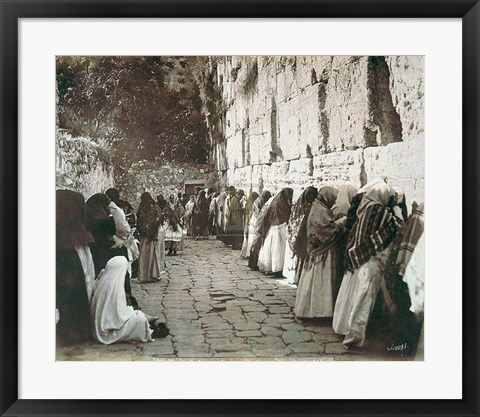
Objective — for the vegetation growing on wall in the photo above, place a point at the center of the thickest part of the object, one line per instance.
(127, 101)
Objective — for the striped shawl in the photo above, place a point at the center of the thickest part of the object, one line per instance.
(372, 232)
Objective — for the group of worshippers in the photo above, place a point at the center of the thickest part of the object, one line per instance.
(356, 256)
(96, 245)
(199, 215)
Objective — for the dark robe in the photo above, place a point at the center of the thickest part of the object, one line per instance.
(102, 227)
(71, 291)
(200, 216)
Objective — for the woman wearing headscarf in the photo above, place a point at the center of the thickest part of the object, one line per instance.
(344, 198)
(320, 274)
(248, 211)
(161, 201)
(189, 206)
(274, 230)
(367, 250)
(212, 214)
(403, 326)
(342, 209)
(113, 320)
(233, 220)
(200, 216)
(259, 210)
(173, 214)
(75, 271)
(297, 250)
(102, 227)
(151, 260)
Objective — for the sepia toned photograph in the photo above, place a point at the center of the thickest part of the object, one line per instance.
(239, 208)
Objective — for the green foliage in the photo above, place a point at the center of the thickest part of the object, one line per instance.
(127, 101)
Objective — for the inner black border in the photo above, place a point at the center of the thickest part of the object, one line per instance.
(12, 10)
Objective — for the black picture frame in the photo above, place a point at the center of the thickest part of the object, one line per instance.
(11, 11)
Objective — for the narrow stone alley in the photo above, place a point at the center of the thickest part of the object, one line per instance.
(217, 308)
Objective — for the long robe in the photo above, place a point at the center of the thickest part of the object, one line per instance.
(149, 218)
(368, 248)
(260, 209)
(248, 212)
(295, 249)
(233, 222)
(274, 230)
(319, 278)
(200, 216)
(75, 270)
(113, 320)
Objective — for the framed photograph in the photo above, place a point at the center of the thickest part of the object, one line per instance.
(232, 208)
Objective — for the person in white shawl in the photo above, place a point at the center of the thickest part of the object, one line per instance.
(112, 319)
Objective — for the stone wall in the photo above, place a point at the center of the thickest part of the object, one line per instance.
(158, 179)
(86, 162)
(295, 121)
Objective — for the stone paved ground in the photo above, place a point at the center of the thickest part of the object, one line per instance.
(217, 308)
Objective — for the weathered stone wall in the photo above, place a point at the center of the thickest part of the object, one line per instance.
(87, 163)
(158, 179)
(295, 121)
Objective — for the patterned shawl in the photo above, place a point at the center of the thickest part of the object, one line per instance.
(173, 211)
(374, 229)
(301, 209)
(321, 230)
(249, 206)
(148, 217)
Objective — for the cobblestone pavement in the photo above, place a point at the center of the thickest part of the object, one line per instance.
(217, 308)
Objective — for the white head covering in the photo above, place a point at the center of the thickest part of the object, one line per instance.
(368, 186)
(378, 192)
(112, 319)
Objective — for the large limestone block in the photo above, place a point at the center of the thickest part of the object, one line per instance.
(234, 151)
(403, 164)
(299, 124)
(407, 89)
(346, 103)
(260, 132)
(337, 168)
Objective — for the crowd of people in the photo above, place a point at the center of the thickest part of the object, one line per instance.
(100, 245)
(355, 256)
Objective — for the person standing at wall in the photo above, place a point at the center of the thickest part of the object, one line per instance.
(247, 215)
(151, 260)
(295, 249)
(188, 214)
(255, 237)
(233, 220)
(368, 248)
(220, 215)
(274, 230)
(200, 217)
(321, 270)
